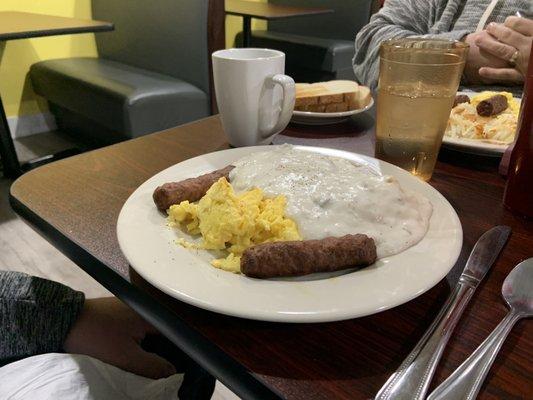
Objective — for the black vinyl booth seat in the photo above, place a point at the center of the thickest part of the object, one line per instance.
(126, 101)
(310, 58)
(320, 47)
(152, 72)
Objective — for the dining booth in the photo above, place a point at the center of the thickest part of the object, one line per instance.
(318, 48)
(152, 72)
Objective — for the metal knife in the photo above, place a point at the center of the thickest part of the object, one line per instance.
(411, 380)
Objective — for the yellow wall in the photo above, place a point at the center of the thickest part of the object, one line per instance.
(16, 56)
(234, 26)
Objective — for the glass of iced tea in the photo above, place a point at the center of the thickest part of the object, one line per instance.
(418, 80)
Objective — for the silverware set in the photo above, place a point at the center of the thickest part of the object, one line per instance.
(412, 379)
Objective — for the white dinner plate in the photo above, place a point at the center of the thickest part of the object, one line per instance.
(318, 118)
(474, 146)
(149, 245)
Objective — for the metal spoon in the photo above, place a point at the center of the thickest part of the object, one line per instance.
(464, 383)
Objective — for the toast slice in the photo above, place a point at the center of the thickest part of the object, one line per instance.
(360, 98)
(332, 96)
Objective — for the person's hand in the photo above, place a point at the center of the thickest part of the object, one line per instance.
(110, 331)
(513, 36)
(478, 58)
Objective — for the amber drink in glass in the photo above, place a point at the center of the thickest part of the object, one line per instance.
(418, 81)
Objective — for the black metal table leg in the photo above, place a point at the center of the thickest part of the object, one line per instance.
(10, 161)
(246, 31)
(37, 162)
(12, 168)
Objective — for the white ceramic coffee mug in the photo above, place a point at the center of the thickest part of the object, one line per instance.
(254, 97)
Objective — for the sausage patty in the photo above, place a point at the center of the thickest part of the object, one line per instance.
(192, 189)
(461, 98)
(294, 258)
(492, 106)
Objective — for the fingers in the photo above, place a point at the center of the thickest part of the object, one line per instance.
(492, 46)
(520, 25)
(506, 35)
(146, 364)
(509, 75)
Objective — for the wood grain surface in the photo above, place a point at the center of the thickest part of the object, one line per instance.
(269, 11)
(19, 25)
(82, 196)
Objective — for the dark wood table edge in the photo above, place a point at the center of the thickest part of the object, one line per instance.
(247, 20)
(218, 363)
(310, 14)
(105, 27)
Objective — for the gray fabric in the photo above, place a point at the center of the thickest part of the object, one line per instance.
(125, 99)
(167, 36)
(310, 52)
(446, 19)
(343, 24)
(35, 314)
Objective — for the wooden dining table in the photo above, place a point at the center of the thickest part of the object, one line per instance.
(266, 11)
(74, 203)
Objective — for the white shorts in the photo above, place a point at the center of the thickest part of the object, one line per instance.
(78, 377)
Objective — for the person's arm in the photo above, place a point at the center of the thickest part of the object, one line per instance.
(397, 19)
(40, 316)
(35, 314)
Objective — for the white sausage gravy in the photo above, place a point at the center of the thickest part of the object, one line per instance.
(331, 196)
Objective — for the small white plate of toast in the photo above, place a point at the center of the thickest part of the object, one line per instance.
(325, 103)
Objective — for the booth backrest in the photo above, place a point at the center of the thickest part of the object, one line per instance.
(344, 23)
(165, 36)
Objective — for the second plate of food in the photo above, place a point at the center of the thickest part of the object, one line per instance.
(487, 135)
(167, 257)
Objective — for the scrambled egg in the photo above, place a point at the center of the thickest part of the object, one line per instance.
(233, 222)
(514, 105)
(466, 123)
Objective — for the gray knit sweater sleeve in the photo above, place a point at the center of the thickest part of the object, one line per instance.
(35, 314)
(398, 19)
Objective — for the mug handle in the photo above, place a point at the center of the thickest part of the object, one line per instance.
(287, 107)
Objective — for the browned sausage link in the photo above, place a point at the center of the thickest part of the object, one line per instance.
(269, 260)
(492, 106)
(191, 189)
(461, 98)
